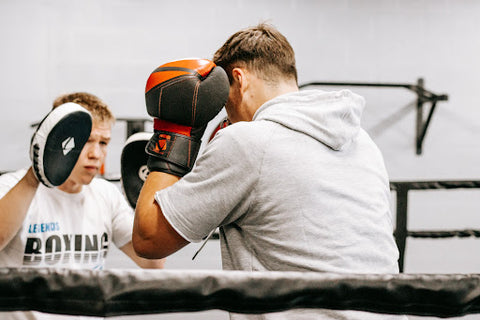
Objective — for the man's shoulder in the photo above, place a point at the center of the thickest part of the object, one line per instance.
(246, 132)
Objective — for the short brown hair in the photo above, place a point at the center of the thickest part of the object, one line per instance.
(262, 49)
(99, 109)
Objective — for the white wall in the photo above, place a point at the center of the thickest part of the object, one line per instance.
(50, 47)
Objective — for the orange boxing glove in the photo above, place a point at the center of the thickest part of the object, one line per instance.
(182, 96)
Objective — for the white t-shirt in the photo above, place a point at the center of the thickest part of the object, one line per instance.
(63, 230)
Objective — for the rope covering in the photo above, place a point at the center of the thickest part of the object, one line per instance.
(133, 292)
(435, 234)
(426, 185)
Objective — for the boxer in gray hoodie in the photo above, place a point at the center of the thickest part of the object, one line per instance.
(294, 183)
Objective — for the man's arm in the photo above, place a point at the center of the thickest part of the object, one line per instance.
(141, 262)
(14, 206)
(52, 130)
(153, 237)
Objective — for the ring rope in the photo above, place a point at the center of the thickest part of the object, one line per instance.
(445, 234)
(433, 234)
(427, 185)
(132, 292)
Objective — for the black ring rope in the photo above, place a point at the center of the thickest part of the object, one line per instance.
(445, 234)
(132, 292)
(432, 234)
(425, 185)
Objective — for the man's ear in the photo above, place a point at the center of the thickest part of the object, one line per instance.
(240, 79)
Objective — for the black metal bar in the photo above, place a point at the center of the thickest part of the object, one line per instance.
(359, 84)
(134, 125)
(419, 121)
(427, 95)
(425, 125)
(423, 96)
(401, 224)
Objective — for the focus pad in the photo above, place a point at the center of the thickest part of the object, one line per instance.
(58, 141)
(187, 92)
(133, 165)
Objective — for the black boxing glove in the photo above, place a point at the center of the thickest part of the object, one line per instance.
(182, 96)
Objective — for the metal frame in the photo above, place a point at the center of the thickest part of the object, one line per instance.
(134, 125)
(423, 96)
(401, 231)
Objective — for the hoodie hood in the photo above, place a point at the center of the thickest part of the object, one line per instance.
(332, 118)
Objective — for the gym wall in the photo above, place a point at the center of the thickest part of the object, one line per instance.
(50, 47)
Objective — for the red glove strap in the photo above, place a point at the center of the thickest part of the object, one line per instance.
(162, 125)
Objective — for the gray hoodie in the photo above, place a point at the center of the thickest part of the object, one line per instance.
(332, 118)
(300, 188)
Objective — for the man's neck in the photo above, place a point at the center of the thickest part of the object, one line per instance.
(266, 91)
(281, 88)
(70, 187)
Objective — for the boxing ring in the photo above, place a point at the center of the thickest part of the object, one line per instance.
(131, 292)
(119, 292)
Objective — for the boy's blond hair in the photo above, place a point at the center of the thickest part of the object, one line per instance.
(99, 109)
